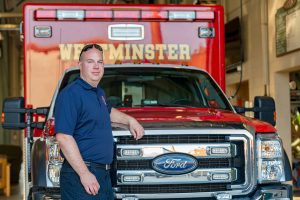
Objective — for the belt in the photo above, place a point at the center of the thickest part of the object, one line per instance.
(98, 165)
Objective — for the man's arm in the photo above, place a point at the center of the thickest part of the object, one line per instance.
(135, 127)
(71, 152)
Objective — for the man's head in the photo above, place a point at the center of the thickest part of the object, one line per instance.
(91, 64)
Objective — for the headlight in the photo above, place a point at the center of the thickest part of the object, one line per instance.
(53, 151)
(54, 160)
(54, 173)
(271, 170)
(270, 163)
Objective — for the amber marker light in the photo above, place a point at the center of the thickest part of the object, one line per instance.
(2, 118)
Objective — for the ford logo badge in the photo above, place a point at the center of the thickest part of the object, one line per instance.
(174, 163)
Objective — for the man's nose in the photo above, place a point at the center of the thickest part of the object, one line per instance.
(97, 65)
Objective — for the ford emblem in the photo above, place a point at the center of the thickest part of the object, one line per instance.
(174, 163)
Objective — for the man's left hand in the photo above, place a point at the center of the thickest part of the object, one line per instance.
(136, 129)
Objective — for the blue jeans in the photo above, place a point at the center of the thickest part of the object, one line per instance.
(72, 189)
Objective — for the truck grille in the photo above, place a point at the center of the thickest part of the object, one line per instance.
(155, 182)
(174, 139)
(187, 188)
(146, 164)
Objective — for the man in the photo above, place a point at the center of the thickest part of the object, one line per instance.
(83, 131)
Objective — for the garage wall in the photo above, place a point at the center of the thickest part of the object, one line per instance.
(279, 75)
(254, 67)
(265, 73)
(10, 71)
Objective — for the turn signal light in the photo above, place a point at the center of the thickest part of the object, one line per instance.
(2, 118)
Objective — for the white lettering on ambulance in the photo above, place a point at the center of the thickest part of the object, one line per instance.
(127, 52)
(184, 52)
(131, 51)
(161, 48)
(149, 52)
(77, 50)
(115, 53)
(65, 51)
(137, 51)
(172, 50)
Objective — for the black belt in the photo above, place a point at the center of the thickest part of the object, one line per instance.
(98, 165)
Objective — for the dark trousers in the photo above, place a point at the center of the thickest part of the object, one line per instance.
(72, 189)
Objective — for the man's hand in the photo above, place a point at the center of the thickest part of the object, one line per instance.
(136, 129)
(70, 149)
(90, 183)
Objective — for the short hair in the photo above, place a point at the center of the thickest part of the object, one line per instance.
(88, 47)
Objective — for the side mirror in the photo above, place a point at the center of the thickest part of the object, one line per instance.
(264, 109)
(240, 109)
(14, 113)
(42, 111)
(13, 116)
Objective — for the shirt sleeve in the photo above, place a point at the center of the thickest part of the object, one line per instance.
(65, 113)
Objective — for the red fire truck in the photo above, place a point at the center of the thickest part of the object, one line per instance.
(164, 65)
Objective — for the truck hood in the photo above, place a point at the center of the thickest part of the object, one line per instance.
(183, 114)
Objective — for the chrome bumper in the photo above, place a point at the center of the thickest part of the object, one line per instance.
(278, 192)
(272, 192)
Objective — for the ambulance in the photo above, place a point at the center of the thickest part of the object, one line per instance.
(164, 65)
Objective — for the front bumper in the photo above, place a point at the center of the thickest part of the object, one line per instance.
(280, 192)
(270, 192)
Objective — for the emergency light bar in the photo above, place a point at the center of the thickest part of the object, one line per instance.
(126, 32)
(126, 14)
(182, 15)
(155, 15)
(94, 15)
(70, 14)
(80, 15)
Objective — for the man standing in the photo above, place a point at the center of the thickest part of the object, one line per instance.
(83, 131)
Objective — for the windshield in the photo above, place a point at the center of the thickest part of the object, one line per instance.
(171, 87)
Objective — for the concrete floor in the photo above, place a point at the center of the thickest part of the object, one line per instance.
(16, 190)
(16, 194)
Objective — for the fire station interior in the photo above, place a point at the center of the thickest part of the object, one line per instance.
(255, 66)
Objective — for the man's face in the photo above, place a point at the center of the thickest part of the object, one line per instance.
(91, 66)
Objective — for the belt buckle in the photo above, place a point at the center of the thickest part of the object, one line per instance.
(107, 167)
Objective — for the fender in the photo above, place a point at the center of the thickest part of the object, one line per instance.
(38, 168)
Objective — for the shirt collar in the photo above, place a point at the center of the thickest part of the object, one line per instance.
(85, 84)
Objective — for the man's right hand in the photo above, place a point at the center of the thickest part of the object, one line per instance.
(90, 183)
(70, 149)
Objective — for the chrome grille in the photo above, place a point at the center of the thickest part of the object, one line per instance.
(188, 188)
(146, 164)
(174, 139)
(239, 161)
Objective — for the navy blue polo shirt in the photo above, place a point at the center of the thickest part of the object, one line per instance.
(82, 112)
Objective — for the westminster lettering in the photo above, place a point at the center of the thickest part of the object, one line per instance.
(132, 51)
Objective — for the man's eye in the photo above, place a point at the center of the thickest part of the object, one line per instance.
(89, 61)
